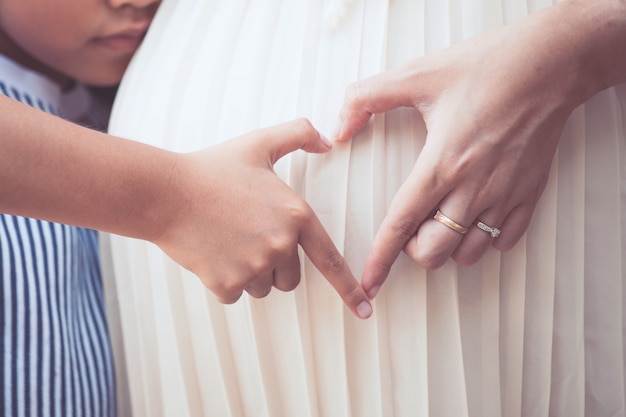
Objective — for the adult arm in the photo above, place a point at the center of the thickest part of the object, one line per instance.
(494, 106)
(221, 212)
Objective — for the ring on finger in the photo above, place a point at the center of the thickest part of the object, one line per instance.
(494, 231)
(446, 221)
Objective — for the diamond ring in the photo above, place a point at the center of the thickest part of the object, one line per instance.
(494, 231)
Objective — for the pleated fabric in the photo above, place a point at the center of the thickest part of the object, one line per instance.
(537, 331)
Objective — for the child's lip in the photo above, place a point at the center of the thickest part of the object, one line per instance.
(124, 40)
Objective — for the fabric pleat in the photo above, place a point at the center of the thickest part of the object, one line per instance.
(536, 331)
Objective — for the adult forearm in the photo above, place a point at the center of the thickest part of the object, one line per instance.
(592, 35)
(563, 54)
(55, 170)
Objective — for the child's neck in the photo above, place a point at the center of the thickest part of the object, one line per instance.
(13, 51)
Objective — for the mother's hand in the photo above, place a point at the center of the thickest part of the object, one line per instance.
(494, 108)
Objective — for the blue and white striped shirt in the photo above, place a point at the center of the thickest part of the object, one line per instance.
(55, 354)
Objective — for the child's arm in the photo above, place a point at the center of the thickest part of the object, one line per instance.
(221, 213)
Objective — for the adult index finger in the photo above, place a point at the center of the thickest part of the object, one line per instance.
(412, 204)
(377, 94)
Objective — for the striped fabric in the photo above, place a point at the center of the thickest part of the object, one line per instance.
(24, 97)
(55, 355)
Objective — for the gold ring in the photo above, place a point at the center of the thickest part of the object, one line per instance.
(494, 231)
(446, 221)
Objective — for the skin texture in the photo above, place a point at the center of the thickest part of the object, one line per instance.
(221, 212)
(509, 93)
(87, 40)
(280, 220)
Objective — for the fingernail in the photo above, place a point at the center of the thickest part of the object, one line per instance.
(326, 141)
(364, 309)
(371, 293)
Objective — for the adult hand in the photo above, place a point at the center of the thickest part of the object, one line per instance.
(239, 226)
(494, 108)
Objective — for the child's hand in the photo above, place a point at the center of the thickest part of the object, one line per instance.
(240, 225)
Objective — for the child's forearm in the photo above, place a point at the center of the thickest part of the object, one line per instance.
(55, 170)
(222, 212)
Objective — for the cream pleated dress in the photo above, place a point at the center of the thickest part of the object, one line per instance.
(537, 331)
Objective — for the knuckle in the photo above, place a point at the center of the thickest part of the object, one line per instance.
(431, 249)
(432, 263)
(289, 285)
(257, 265)
(405, 228)
(429, 259)
(258, 292)
(227, 289)
(226, 293)
(228, 286)
(335, 262)
(456, 166)
(279, 244)
(510, 235)
(231, 300)
(465, 259)
(450, 171)
(356, 94)
(298, 210)
(353, 294)
(504, 243)
(304, 126)
(381, 268)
